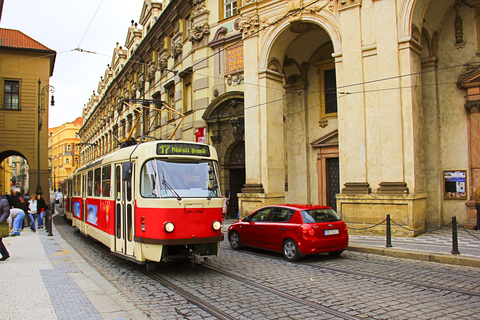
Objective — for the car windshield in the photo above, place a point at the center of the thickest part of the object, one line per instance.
(319, 215)
(177, 179)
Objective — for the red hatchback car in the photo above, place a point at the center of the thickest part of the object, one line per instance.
(294, 230)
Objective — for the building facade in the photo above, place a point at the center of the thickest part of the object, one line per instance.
(368, 106)
(64, 151)
(25, 68)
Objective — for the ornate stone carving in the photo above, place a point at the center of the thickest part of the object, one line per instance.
(323, 123)
(249, 24)
(198, 6)
(177, 49)
(151, 71)
(296, 8)
(274, 65)
(196, 33)
(162, 63)
(459, 43)
(141, 82)
(216, 139)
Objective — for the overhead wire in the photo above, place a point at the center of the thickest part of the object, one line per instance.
(88, 27)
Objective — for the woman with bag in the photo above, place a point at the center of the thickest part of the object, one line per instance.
(4, 213)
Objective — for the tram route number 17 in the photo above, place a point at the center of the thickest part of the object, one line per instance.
(183, 149)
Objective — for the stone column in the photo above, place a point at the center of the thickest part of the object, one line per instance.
(264, 147)
(470, 80)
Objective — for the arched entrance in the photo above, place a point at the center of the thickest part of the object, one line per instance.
(295, 106)
(225, 126)
(14, 172)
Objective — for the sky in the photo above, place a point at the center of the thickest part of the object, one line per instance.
(63, 25)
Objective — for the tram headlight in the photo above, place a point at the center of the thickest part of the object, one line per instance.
(216, 225)
(169, 227)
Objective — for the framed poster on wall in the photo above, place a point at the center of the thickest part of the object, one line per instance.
(455, 185)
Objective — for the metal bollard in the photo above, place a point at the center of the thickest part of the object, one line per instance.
(389, 232)
(454, 236)
(49, 230)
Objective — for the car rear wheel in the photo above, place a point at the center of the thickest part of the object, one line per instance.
(290, 250)
(335, 253)
(235, 241)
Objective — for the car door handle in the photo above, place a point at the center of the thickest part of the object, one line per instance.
(260, 227)
(282, 229)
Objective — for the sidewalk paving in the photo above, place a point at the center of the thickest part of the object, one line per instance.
(44, 278)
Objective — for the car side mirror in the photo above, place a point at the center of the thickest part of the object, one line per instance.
(246, 219)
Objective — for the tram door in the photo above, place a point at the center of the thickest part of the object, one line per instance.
(124, 203)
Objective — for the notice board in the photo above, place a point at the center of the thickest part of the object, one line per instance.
(455, 185)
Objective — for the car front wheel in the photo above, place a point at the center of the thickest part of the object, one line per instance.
(235, 241)
(290, 250)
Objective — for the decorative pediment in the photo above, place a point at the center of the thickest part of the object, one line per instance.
(470, 80)
(330, 139)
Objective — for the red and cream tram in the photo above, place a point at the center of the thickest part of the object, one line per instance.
(67, 186)
(155, 201)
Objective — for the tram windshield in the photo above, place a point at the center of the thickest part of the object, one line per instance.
(162, 178)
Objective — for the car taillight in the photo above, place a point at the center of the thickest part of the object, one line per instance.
(307, 229)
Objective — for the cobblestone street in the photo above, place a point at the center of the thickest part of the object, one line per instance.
(253, 284)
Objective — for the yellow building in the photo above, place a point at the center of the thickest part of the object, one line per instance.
(63, 151)
(25, 68)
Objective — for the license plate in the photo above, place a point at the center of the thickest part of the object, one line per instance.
(331, 232)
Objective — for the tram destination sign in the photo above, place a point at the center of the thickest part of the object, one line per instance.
(182, 149)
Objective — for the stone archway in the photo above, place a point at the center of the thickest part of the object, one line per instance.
(225, 127)
(285, 111)
(20, 176)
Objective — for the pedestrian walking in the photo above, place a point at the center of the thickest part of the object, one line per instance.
(33, 213)
(23, 204)
(477, 206)
(4, 214)
(41, 207)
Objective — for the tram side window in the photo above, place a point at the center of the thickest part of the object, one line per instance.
(74, 186)
(149, 181)
(106, 178)
(79, 186)
(118, 182)
(97, 179)
(90, 184)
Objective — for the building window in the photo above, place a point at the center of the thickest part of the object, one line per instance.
(170, 101)
(230, 8)
(69, 147)
(67, 161)
(11, 95)
(328, 89)
(187, 93)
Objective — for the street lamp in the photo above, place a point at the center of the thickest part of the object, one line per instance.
(41, 101)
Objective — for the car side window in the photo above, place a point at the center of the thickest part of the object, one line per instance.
(278, 215)
(260, 215)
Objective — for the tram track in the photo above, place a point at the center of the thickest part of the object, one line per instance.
(368, 275)
(280, 293)
(199, 302)
(220, 314)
